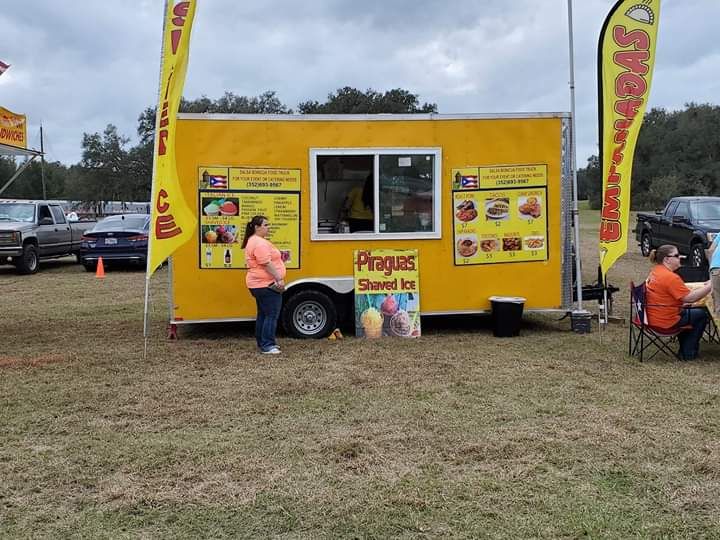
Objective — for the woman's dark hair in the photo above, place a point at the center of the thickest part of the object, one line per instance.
(256, 221)
(658, 255)
(368, 193)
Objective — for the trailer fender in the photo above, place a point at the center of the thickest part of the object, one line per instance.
(340, 285)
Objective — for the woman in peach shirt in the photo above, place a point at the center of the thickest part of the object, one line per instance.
(265, 279)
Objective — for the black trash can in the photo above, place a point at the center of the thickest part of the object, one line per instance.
(507, 315)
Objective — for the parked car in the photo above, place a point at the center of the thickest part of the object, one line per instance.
(690, 223)
(117, 239)
(34, 230)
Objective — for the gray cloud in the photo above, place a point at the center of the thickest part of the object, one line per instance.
(78, 65)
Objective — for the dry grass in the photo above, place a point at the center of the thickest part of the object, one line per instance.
(457, 434)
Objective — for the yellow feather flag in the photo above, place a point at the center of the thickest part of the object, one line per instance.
(172, 221)
(626, 58)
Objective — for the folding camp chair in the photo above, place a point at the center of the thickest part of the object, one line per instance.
(644, 335)
(690, 274)
(711, 334)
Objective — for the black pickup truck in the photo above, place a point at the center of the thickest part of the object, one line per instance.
(690, 223)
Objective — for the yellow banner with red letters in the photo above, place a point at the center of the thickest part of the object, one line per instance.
(13, 128)
(173, 222)
(626, 58)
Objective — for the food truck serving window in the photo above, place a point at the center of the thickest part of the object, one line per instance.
(375, 193)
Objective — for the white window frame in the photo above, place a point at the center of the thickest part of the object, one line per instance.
(436, 233)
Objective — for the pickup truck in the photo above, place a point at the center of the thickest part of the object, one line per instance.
(690, 223)
(35, 230)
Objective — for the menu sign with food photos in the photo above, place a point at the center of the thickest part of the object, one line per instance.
(497, 226)
(225, 210)
(387, 293)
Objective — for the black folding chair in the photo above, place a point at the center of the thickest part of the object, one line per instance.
(645, 336)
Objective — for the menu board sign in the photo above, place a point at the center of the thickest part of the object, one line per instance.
(227, 203)
(499, 225)
(387, 293)
(499, 176)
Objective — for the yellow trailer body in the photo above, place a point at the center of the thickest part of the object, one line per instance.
(452, 187)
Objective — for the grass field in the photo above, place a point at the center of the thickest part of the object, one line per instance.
(454, 435)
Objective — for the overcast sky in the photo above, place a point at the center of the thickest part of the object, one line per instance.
(78, 65)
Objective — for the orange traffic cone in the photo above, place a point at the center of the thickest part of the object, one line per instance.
(100, 270)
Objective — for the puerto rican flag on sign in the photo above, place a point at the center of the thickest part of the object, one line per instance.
(3, 67)
(469, 182)
(218, 181)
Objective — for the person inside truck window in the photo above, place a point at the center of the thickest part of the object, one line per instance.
(358, 207)
(668, 300)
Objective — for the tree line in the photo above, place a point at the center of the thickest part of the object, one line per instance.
(678, 153)
(111, 169)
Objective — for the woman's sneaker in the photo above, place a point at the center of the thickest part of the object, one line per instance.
(274, 350)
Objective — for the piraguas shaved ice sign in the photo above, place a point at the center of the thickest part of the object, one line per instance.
(387, 293)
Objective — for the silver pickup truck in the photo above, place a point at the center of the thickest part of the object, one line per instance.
(35, 230)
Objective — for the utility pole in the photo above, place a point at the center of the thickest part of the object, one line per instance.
(42, 164)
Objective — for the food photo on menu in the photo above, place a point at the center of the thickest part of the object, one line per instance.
(532, 243)
(497, 209)
(219, 234)
(512, 243)
(220, 207)
(466, 211)
(488, 245)
(530, 207)
(467, 245)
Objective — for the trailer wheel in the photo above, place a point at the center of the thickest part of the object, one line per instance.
(645, 244)
(309, 314)
(697, 255)
(27, 263)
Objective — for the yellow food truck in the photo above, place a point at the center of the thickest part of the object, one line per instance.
(486, 200)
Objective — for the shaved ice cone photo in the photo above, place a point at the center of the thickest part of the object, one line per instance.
(372, 323)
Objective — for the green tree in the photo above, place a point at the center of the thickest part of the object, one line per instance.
(349, 100)
(228, 103)
(590, 182)
(7, 169)
(29, 184)
(678, 153)
(104, 172)
(140, 157)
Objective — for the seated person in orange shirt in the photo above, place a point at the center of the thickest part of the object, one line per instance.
(668, 299)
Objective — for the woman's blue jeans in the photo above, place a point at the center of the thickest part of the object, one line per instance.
(690, 339)
(268, 303)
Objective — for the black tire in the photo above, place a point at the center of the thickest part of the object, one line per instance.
(89, 267)
(28, 262)
(309, 314)
(697, 255)
(646, 244)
